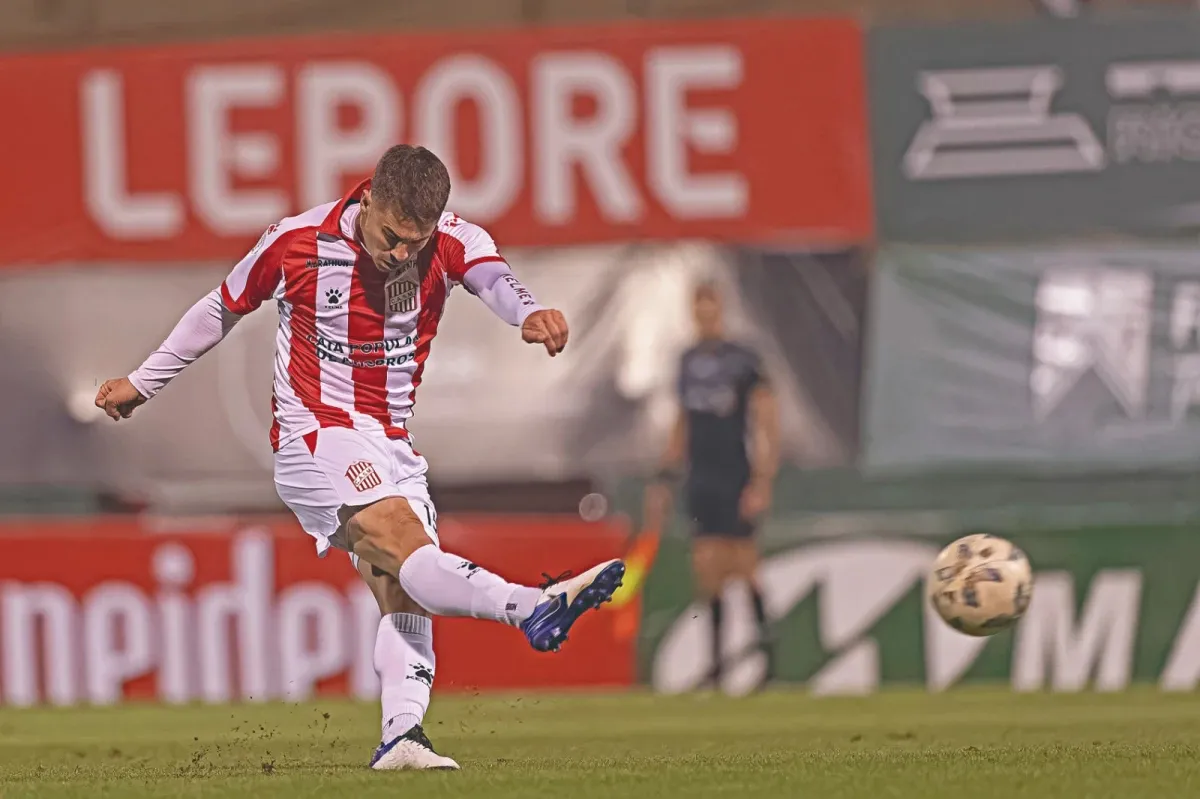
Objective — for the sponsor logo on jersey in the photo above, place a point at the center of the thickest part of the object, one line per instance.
(319, 263)
(363, 475)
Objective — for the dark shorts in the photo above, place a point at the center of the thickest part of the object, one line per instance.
(713, 506)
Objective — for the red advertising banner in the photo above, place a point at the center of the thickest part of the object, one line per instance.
(100, 611)
(748, 130)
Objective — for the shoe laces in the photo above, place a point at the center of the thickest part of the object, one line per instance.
(417, 735)
(554, 580)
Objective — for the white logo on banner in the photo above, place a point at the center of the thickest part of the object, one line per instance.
(1073, 636)
(995, 122)
(989, 122)
(1092, 320)
(1150, 126)
(858, 584)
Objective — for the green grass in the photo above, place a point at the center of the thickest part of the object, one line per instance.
(977, 744)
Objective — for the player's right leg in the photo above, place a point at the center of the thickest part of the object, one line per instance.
(382, 488)
(403, 654)
(389, 535)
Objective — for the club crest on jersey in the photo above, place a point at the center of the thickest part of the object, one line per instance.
(401, 292)
(363, 475)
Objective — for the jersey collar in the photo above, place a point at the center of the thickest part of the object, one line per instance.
(333, 220)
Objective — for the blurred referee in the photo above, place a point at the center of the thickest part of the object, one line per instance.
(726, 443)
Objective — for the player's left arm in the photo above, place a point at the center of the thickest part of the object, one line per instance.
(764, 462)
(488, 276)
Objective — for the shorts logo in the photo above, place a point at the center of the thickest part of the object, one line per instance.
(363, 475)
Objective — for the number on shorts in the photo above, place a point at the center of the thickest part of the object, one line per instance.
(431, 517)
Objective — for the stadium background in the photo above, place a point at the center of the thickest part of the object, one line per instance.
(989, 324)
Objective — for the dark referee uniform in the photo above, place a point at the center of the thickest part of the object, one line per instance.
(716, 379)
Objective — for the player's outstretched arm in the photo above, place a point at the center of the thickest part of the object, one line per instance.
(501, 291)
(251, 283)
(200, 329)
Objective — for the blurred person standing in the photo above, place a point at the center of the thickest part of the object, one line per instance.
(725, 443)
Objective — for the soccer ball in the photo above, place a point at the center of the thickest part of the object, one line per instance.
(981, 584)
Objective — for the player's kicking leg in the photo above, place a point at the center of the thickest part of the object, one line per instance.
(389, 525)
(389, 535)
(404, 657)
(406, 665)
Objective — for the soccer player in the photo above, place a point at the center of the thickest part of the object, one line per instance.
(727, 432)
(361, 284)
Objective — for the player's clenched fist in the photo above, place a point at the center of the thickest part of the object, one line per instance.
(118, 398)
(548, 327)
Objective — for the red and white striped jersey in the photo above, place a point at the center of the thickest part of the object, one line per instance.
(352, 341)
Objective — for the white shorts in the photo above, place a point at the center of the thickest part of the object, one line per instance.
(347, 468)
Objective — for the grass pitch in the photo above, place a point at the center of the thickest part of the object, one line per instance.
(972, 743)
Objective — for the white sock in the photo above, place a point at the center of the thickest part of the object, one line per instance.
(447, 585)
(405, 664)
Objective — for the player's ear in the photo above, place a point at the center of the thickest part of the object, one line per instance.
(365, 201)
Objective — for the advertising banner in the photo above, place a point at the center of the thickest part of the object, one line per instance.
(101, 611)
(746, 130)
(995, 132)
(1084, 357)
(1110, 607)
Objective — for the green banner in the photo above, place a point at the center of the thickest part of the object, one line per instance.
(1083, 357)
(1110, 607)
(1041, 129)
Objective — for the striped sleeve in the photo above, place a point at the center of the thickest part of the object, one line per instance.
(471, 245)
(254, 280)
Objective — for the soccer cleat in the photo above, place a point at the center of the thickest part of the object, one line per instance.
(564, 599)
(411, 751)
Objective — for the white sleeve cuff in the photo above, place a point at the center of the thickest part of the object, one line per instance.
(501, 291)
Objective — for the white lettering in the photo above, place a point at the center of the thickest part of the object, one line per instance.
(310, 637)
(245, 603)
(594, 145)
(117, 211)
(476, 79)
(672, 126)
(948, 653)
(174, 568)
(858, 584)
(328, 152)
(364, 627)
(1182, 672)
(23, 607)
(217, 155)
(1049, 640)
(117, 639)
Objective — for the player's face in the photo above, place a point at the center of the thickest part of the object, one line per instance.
(393, 241)
(707, 311)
